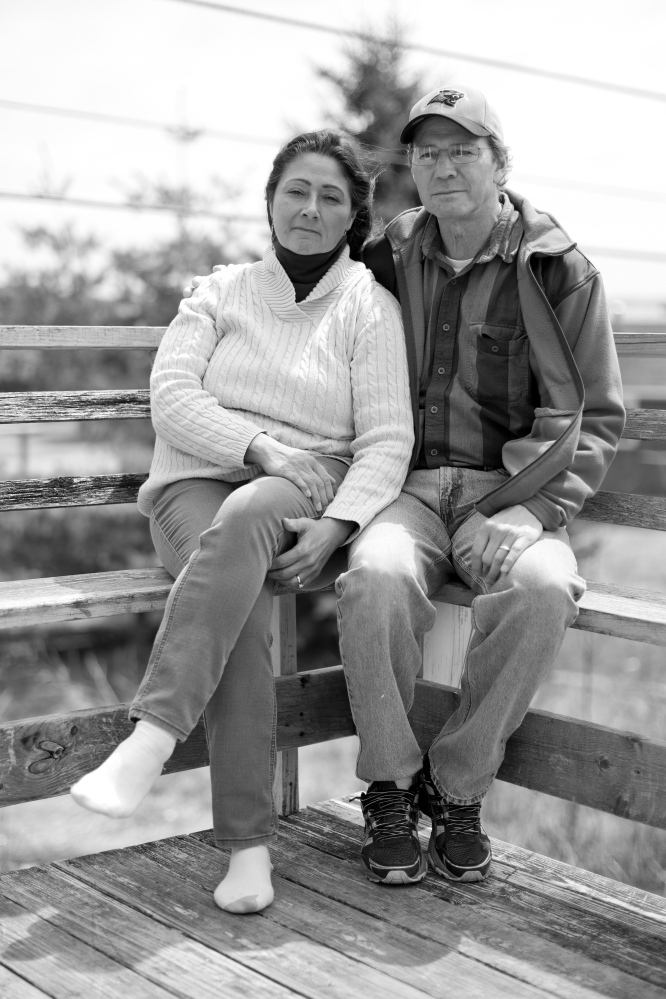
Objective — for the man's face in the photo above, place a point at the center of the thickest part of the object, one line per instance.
(455, 191)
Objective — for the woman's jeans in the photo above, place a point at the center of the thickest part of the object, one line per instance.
(395, 565)
(212, 653)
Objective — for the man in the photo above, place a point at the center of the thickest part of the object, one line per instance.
(518, 412)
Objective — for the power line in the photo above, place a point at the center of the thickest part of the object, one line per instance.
(292, 22)
(395, 157)
(599, 251)
(182, 132)
(118, 206)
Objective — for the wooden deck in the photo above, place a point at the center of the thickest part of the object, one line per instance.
(140, 923)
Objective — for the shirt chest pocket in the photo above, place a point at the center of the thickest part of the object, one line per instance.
(495, 364)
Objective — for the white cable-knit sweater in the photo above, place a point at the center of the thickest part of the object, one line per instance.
(328, 375)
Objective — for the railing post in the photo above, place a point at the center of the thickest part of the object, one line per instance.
(283, 650)
(445, 647)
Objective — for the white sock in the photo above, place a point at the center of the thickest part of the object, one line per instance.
(247, 886)
(118, 787)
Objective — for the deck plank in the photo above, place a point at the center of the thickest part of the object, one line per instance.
(618, 940)
(284, 955)
(413, 958)
(164, 955)
(13, 987)
(61, 966)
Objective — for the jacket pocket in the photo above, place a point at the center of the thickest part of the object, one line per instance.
(496, 364)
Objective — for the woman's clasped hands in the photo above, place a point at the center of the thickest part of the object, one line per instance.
(317, 538)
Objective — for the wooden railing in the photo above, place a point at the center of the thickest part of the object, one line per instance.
(619, 772)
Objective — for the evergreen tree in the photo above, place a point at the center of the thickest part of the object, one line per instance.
(377, 92)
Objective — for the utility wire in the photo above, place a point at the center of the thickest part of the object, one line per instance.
(292, 22)
(395, 157)
(118, 206)
(182, 132)
(599, 251)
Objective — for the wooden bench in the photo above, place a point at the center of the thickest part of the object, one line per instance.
(159, 894)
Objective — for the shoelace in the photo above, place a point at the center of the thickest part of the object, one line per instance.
(387, 810)
(462, 820)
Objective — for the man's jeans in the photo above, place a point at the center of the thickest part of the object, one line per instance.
(212, 652)
(401, 558)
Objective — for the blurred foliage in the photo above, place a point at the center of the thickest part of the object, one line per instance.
(377, 91)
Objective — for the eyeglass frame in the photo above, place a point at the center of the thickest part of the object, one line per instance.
(446, 151)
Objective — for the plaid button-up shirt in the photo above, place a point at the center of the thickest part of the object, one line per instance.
(477, 390)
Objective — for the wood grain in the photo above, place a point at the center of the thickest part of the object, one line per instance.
(284, 656)
(641, 344)
(616, 772)
(149, 337)
(65, 491)
(58, 407)
(158, 953)
(626, 509)
(89, 337)
(645, 425)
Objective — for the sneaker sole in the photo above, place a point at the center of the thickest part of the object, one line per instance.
(479, 874)
(396, 877)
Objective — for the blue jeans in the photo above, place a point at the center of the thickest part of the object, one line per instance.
(395, 565)
(212, 655)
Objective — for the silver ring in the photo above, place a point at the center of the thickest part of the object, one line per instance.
(503, 548)
(298, 580)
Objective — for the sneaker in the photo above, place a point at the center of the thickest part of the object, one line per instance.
(459, 848)
(391, 851)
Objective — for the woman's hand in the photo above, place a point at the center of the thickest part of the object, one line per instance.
(317, 540)
(300, 467)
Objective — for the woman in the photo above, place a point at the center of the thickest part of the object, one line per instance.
(281, 408)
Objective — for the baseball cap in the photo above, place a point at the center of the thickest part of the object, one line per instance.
(466, 106)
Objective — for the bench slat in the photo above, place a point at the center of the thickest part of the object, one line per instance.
(617, 772)
(63, 491)
(625, 612)
(133, 404)
(148, 338)
(625, 509)
(645, 425)
(91, 337)
(53, 407)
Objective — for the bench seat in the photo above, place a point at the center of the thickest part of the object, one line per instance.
(536, 929)
(622, 611)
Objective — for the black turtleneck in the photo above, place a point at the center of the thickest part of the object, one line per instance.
(305, 270)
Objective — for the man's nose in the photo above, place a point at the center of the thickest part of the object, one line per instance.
(445, 167)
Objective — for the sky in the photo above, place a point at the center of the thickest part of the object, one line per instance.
(170, 61)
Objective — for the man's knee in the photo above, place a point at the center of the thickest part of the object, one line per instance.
(545, 581)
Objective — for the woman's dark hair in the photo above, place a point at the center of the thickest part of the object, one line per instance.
(347, 152)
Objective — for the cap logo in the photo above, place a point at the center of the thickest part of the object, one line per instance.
(448, 97)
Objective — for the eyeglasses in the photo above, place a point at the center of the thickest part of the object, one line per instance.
(459, 153)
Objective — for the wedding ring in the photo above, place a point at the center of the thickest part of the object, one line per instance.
(503, 548)
(298, 580)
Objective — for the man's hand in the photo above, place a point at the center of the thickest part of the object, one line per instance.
(196, 281)
(300, 467)
(502, 540)
(317, 540)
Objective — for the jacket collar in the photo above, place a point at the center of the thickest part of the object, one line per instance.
(541, 231)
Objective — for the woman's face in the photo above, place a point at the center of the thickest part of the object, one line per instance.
(311, 207)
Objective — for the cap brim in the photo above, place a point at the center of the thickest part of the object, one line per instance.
(471, 126)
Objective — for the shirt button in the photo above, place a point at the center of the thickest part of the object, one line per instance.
(453, 281)
(446, 326)
(433, 409)
(434, 451)
(441, 371)
(494, 348)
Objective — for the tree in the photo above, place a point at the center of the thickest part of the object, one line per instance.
(377, 92)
